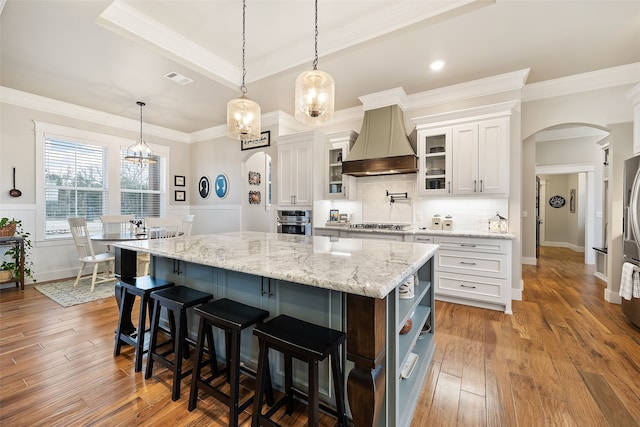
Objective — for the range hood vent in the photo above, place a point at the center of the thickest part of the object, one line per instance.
(382, 148)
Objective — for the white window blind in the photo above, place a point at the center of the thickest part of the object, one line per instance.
(141, 188)
(75, 184)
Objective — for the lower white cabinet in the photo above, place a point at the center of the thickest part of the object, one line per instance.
(474, 271)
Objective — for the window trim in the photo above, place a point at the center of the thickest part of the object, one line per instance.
(113, 144)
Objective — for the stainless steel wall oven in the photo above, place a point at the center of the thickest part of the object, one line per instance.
(294, 222)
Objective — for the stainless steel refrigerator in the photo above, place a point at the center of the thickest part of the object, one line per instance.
(631, 230)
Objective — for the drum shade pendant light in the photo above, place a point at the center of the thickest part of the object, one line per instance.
(140, 152)
(243, 114)
(314, 92)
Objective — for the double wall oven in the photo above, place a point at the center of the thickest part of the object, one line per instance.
(294, 222)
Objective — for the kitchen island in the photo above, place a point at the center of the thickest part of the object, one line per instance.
(347, 284)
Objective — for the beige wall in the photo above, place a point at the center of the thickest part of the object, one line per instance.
(608, 109)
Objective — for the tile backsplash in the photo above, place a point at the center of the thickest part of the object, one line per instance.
(373, 205)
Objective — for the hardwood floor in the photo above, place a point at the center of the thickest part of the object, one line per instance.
(565, 357)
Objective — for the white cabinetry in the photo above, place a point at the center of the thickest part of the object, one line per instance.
(634, 96)
(337, 185)
(434, 161)
(474, 271)
(480, 153)
(295, 168)
(475, 160)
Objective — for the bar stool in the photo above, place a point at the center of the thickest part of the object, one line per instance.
(176, 300)
(142, 287)
(232, 317)
(306, 342)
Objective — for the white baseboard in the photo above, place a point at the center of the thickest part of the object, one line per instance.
(567, 245)
(601, 276)
(612, 297)
(529, 260)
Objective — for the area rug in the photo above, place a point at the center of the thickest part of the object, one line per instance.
(66, 295)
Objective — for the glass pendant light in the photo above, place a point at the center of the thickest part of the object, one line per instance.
(243, 114)
(314, 92)
(140, 152)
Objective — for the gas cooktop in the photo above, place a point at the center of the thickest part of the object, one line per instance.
(395, 227)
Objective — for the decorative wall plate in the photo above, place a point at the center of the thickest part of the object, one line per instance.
(222, 186)
(557, 201)
(204, 187)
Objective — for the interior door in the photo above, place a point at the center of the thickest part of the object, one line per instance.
(538, 220)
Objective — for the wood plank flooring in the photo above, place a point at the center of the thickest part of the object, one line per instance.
(565, 357)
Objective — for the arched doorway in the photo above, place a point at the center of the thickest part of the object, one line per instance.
(570, 158)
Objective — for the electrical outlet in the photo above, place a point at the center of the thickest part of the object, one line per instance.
(525, 214)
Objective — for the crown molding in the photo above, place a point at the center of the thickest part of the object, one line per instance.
(634, 94)
(473, 89)
(468, 114)
(131, 23)
(52, 106)
(584, 82)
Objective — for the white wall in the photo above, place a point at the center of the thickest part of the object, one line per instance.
(53, 260)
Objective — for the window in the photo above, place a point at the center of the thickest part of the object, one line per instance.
(140, 188)
(74, 180)
(83, 173)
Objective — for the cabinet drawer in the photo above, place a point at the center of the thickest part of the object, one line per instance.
(474, 245)
(486, 265)
(472, 287)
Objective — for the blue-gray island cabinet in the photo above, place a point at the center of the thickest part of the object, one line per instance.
(346, 284)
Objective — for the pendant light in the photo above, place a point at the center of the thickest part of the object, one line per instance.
(243, 114)
(314, 92)
(140, 152)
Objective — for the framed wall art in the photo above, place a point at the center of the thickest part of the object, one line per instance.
(180, 196)
(254, 178)
(204, 187)
(178, 181)
(255, 197)
(263, 141)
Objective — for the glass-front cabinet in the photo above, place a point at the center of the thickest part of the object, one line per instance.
(434, 160)
(337, 185)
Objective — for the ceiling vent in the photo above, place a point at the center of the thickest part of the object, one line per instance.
(178, 78)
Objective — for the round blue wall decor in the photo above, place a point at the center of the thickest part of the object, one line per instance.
(222, 186)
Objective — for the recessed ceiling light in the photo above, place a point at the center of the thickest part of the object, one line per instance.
(437, 65)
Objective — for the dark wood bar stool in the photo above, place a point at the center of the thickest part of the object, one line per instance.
(176, 300)
(232, 317)
(309, 343)
(141, 287)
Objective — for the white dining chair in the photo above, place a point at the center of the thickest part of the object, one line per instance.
(163, 228)
(112, 224)
(87, 256)
(159, 228)
(187, 225)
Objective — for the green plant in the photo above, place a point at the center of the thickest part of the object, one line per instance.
(13, 263)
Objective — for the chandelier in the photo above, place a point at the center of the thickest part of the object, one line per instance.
(140, 152)
(314, 91)
(243, 114)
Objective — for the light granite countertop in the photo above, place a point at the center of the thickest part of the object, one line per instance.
(425, 231)
(364, 267)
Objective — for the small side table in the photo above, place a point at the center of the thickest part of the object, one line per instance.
(18, 242)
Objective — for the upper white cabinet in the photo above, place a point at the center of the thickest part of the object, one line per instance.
(480, 153)
(434, 161)
(337, 185)
(465, 152)
(634, 96)
(295, 168)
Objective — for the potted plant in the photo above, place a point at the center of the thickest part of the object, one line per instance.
(11, 264)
